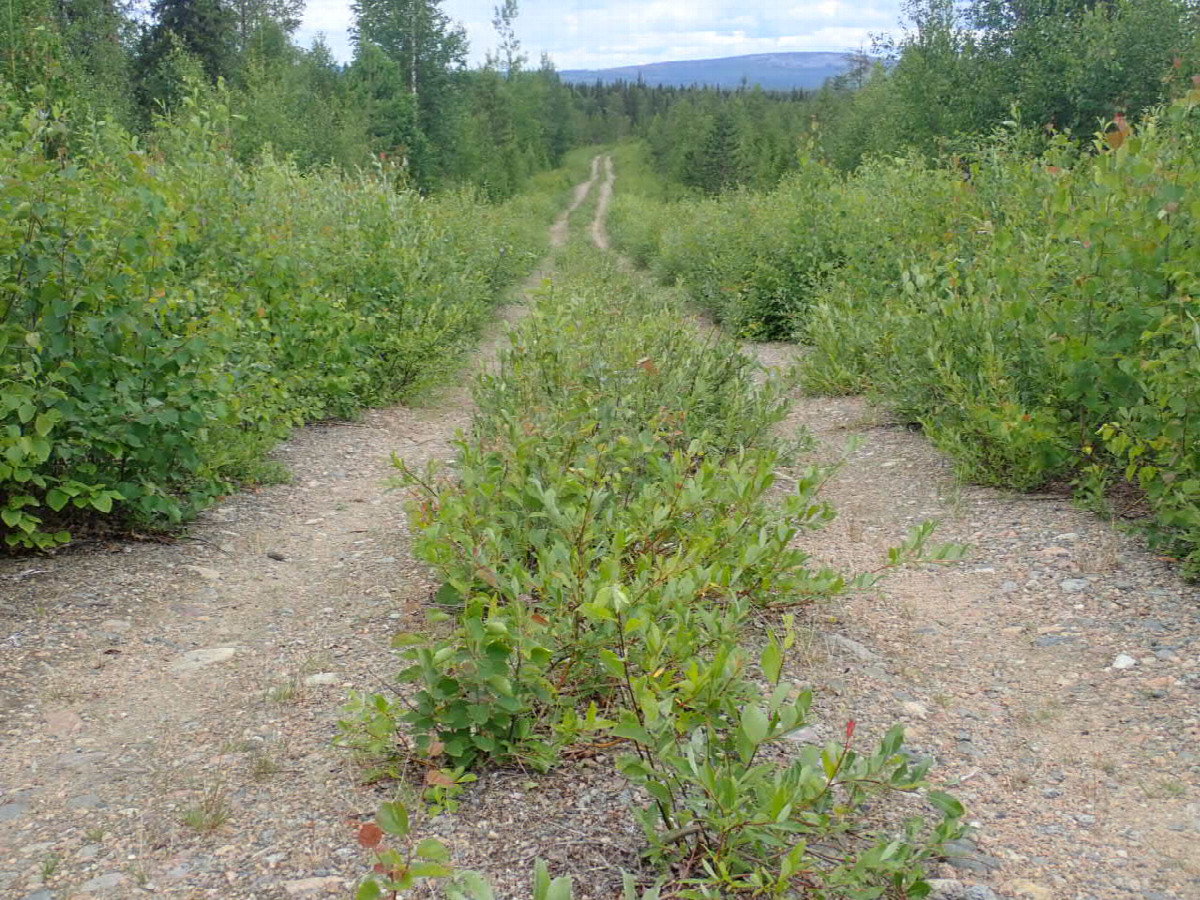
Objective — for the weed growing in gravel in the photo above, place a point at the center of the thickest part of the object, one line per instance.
(1164, 789)
(209, 812)
(50, 865)
(287, 692)
(604, 543)
(263, 766)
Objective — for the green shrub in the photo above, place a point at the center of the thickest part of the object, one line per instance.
(167, 314)
(1034, 314)
(753, 261)
(605, 538)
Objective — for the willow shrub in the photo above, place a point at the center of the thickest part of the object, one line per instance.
(750, 260)
(1034, 313)
(167, 314)
(605, 540)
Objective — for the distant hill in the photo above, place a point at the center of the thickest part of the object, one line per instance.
(772, 71)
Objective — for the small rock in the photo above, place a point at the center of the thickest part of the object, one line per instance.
(1124, 661)
(946, 889)
(102, 882)
(63, 723)
(85, 801)
(276, 555)
(851, 647)
(89, 851)
(1009, 587)
(11, 811)
(204, 572)
(981, 892)
(1074, 585)
(115, 626)
(914, 710)
(1053, 640)
(806, 735)
(42, 894)
(963, 855)
(1021, 889)
(321, 678)
(198, 659)
(301, 886)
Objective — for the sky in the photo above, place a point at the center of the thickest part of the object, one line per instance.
(598, 34)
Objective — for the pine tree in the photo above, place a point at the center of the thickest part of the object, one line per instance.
(204, 29)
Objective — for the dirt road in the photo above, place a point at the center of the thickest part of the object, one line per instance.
(166, 710)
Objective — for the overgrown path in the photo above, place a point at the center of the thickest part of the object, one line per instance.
(166, 710)
(1054, 676)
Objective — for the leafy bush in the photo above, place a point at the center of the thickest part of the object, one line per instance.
(751, 260)
(167, 314)
(1034, 313)
(603, 541)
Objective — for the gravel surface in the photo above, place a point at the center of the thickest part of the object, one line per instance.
(1054, 675)
(166, 709)
(147, 689)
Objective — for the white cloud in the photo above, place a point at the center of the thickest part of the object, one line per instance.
(602, 33)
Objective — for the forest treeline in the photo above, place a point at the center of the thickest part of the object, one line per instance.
(407, 98)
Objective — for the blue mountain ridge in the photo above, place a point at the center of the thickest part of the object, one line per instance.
(771, 71)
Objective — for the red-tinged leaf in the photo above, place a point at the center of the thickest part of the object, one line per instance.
(488, 576)
(438, 779)
(540, 619)
(370, 835)
(380, 869)
(850, 726)
(436, 748)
